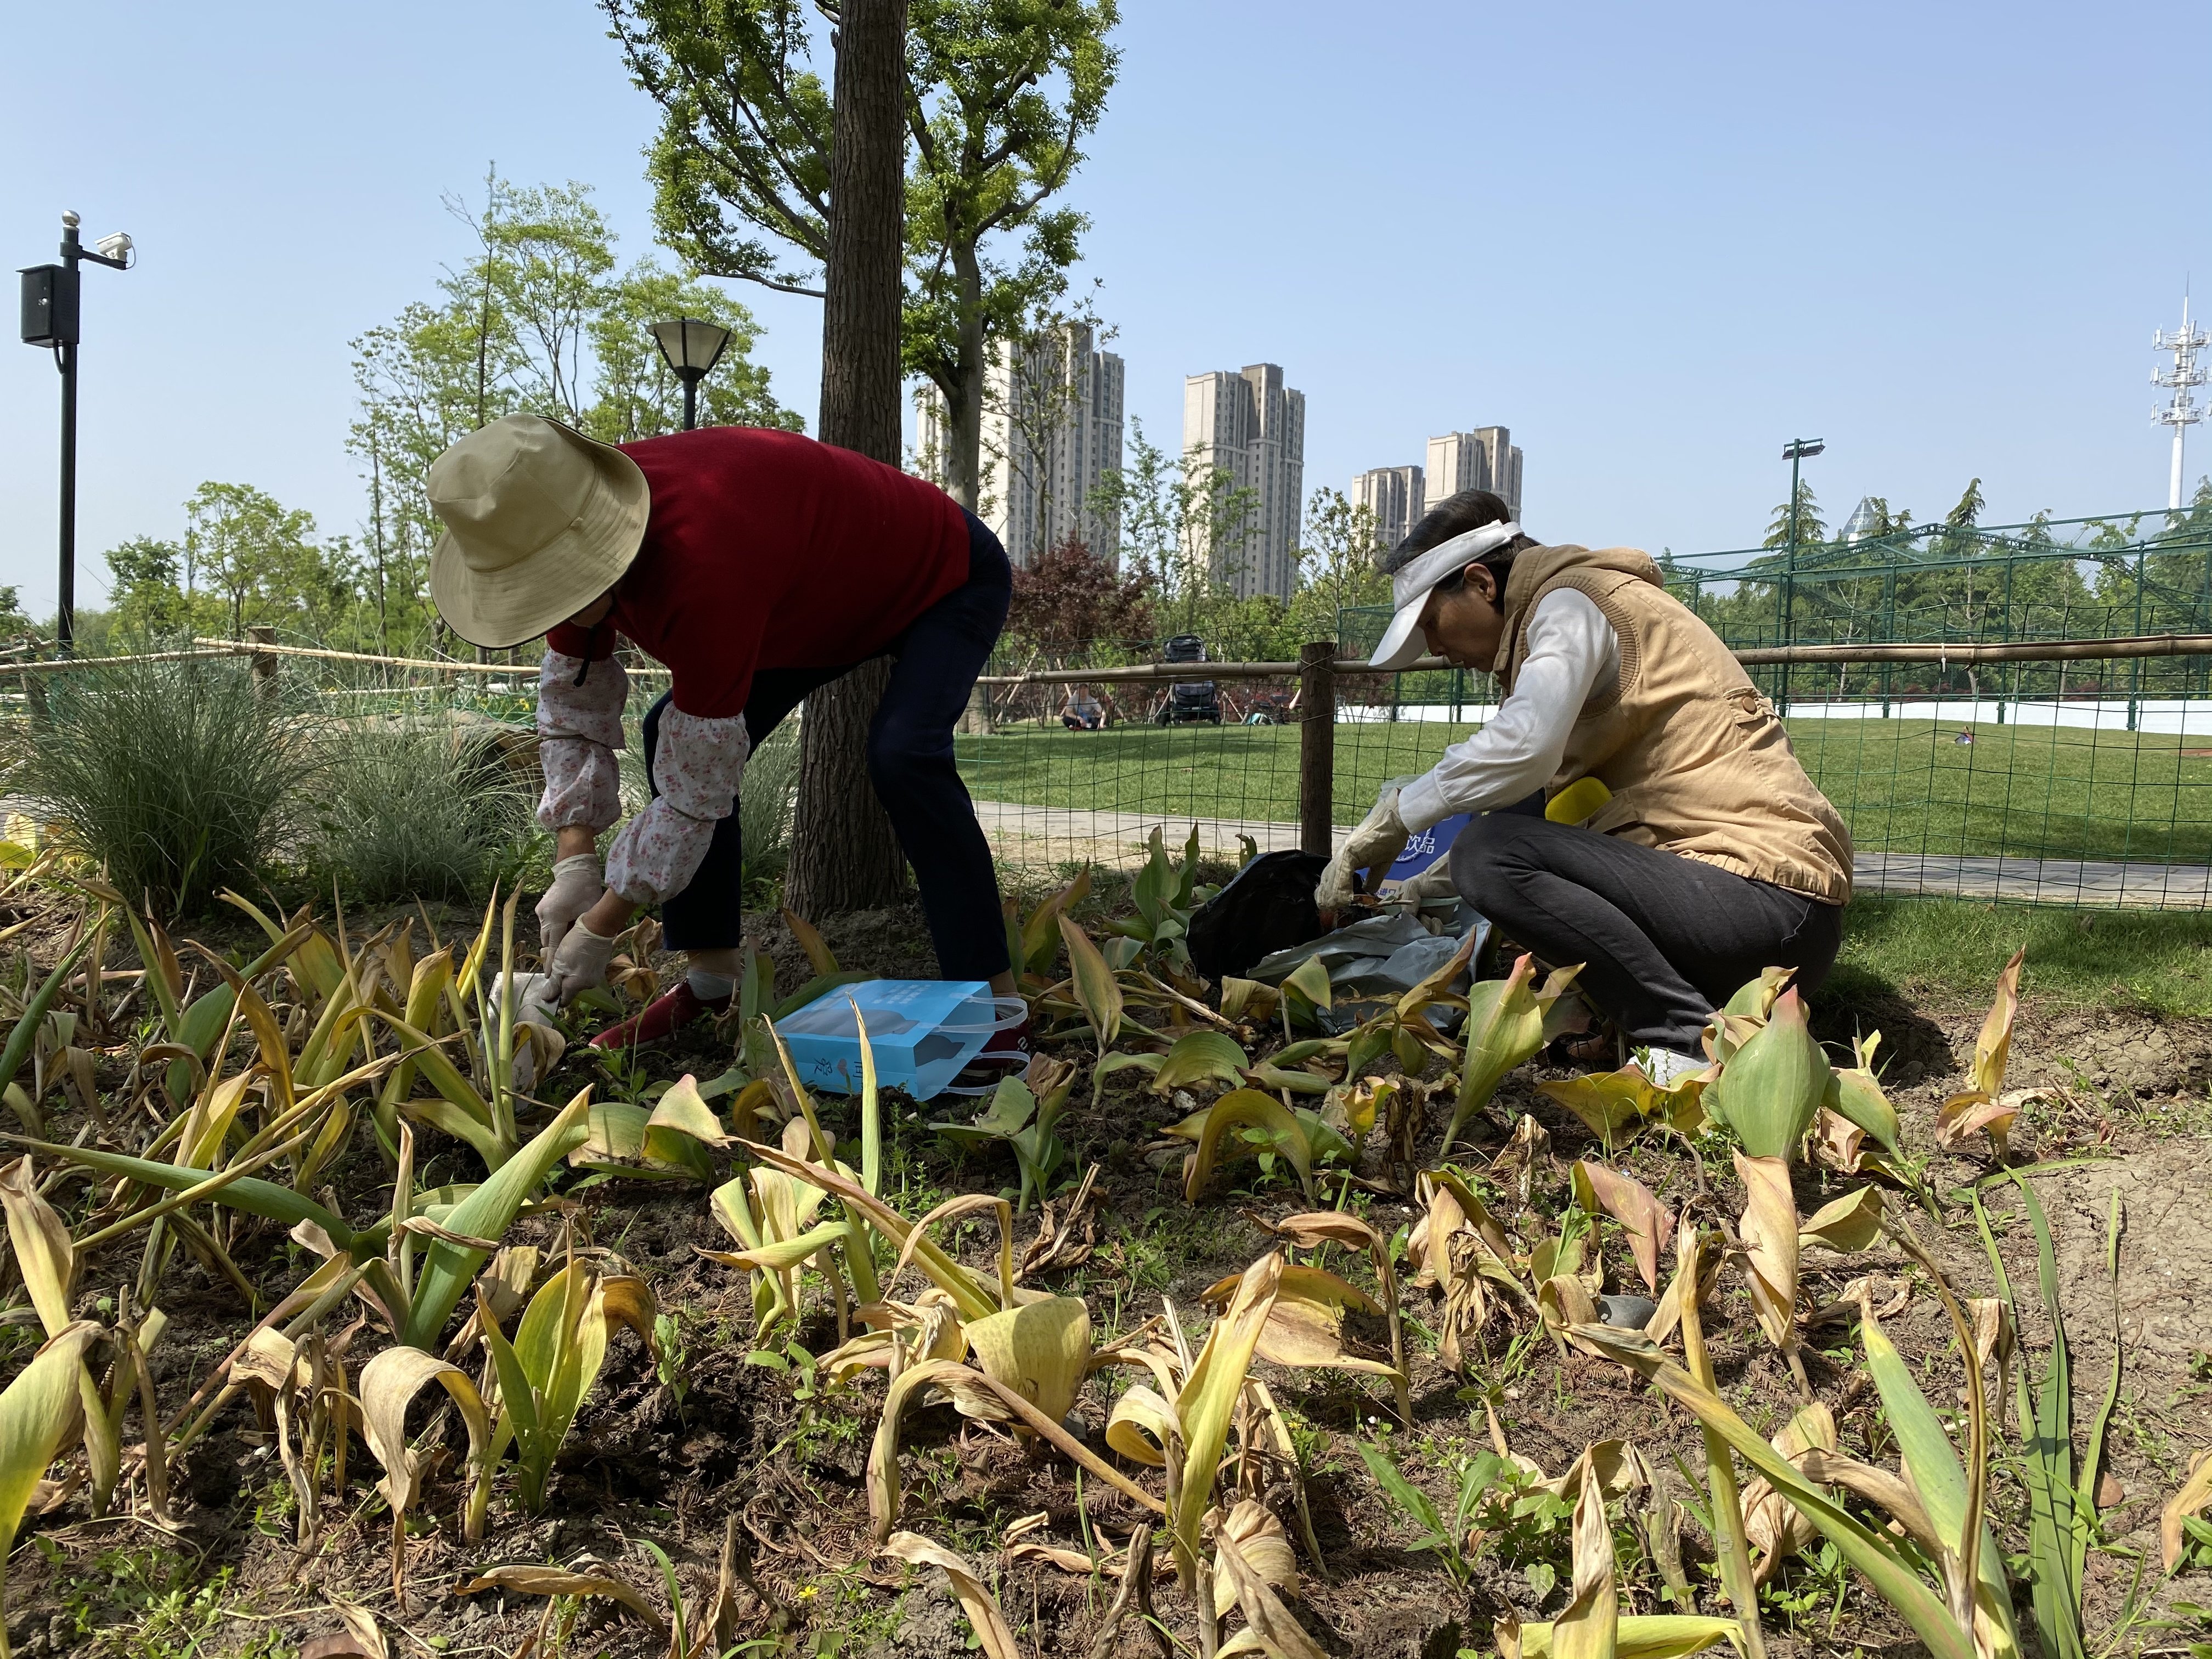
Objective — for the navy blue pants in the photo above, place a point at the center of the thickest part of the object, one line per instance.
(934, 666)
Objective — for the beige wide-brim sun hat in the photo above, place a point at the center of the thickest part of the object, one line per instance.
(540, 520)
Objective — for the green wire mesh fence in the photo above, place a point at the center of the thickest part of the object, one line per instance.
(2086, 781)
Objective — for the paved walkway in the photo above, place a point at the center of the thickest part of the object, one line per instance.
(1057, 835)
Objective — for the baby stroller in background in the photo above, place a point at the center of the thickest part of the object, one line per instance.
(1188, 701)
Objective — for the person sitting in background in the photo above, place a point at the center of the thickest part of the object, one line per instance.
(1715, 856)
(1082, 712)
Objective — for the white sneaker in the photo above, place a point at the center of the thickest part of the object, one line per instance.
(1666, 1067)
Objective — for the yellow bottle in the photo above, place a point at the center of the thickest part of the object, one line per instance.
(1578, 801)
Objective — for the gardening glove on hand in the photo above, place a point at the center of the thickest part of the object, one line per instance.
(538, 1043)
(581, 963)
(1374, 846)
(1433, 883)
(576, 888)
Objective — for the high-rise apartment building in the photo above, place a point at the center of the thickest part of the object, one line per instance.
(1252, 427)
(1394, 495)
(1052, 436)
(1485, 458)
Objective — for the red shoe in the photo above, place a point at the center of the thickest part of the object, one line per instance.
(664, 1016)
(1006, 1054)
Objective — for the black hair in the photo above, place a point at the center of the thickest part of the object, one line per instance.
(1454, 515)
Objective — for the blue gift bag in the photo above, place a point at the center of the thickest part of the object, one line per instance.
(921, 1032)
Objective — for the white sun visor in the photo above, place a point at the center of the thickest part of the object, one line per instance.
(1410, 585)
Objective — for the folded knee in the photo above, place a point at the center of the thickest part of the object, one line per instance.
(1489, 855)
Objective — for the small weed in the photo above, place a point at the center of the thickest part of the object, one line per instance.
(140, 1604)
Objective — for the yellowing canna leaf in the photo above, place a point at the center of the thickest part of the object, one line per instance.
(1208, 1400)
(622, 1141)
(1141, 1425)
(1775, 1529)
(1993, 1046)
(389, 1383)
(1278, 1633)
(1248, 998)
(810, 941)
(1310, 980)
(883, 1489)
(1768, 1231)
(1638, 1635)
(1957, 1117)
(1097, 993)
(38, 1416)
(1237, 1110)
(684, 1110)
(1201, 1057)
(1859, 1098)
(1305, 1326)
(2195, 1493)
(44, 1256)
(558, 1581)
(995, 1635)
(1589, 1628)
(1630, 1202)
(1848, 1224)
(1040, 1351)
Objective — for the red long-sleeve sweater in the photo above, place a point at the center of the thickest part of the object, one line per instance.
(767, 550)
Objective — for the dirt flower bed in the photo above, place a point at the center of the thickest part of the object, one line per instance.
(1493, 1443)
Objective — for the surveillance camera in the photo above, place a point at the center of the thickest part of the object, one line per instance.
(116, 246)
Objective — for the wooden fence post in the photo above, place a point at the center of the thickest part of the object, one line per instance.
(1317, 747)
(262, 665)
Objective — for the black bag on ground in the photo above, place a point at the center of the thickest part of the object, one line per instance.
(1268, 906)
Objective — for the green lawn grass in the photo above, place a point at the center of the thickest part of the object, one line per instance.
(1940, 953)
(1902, 785)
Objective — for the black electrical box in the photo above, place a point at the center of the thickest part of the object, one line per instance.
(50, 306)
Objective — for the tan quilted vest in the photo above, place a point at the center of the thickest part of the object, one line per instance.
(1696, 759)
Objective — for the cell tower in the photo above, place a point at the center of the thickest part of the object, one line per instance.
(2181, 412)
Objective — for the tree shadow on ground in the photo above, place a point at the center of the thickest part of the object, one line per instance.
(1854, 1000)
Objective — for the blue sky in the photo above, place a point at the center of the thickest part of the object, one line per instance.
(1654, 241)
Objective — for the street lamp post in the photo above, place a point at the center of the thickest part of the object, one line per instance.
(51, 319)
(1795, 451)
(691, 347)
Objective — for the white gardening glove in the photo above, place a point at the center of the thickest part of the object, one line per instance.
(581, 963)
(1374, 846)
(577, 885)
(1433, 883)
(538, 1044)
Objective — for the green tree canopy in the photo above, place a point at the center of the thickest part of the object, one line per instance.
(542, 321)
(1000, 95)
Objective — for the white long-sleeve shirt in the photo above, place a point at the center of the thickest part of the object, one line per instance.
(1572, 651)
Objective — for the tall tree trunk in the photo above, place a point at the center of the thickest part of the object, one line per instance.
(843, 854)
(963, 473)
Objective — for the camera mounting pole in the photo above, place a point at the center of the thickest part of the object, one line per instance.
(50, 314)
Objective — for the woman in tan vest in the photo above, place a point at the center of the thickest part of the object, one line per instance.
(1714, 857)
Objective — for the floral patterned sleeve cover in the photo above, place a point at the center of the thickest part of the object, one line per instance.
(579, 729)
(695, 769)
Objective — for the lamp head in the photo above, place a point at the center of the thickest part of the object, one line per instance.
(690, 347)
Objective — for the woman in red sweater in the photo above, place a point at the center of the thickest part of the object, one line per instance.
(756, 565)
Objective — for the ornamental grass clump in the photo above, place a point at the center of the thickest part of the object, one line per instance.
(412, 810)
(180, 777)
